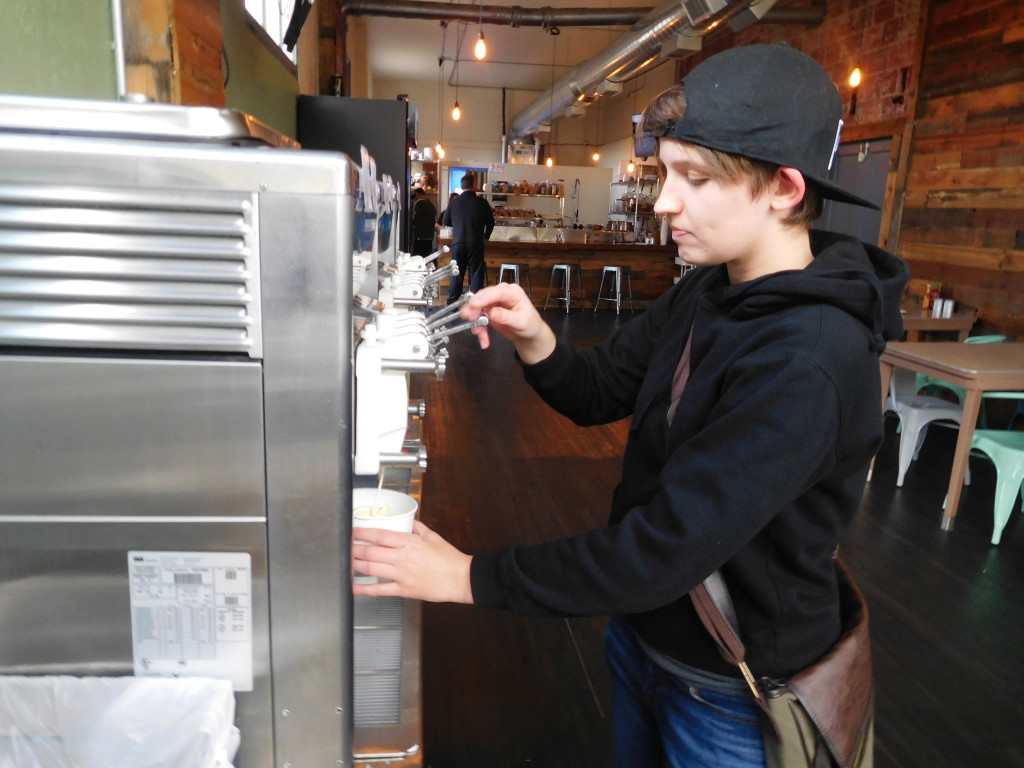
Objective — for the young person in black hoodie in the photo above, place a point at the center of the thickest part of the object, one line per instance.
(753, 386)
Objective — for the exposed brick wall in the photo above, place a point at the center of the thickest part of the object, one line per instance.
(879, 36)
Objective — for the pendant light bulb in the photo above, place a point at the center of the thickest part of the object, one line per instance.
(456, 112)
(439, 150)
(481, 47)
(630, 168)
(549, 162)
(597, 156)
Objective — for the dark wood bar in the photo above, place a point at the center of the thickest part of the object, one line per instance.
(652, 267)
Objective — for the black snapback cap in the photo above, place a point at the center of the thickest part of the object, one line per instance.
(770, 103)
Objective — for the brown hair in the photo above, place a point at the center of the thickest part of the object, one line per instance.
(660, 115)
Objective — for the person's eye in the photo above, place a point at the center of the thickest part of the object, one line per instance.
(696, 181)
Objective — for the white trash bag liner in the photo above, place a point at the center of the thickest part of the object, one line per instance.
(116, 722)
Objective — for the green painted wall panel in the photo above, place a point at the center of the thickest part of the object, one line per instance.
(58, 48)
(259, 83)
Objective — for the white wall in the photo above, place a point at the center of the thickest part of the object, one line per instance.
(593, 200)
(476, 139)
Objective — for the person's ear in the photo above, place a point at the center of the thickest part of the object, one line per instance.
(788, 188)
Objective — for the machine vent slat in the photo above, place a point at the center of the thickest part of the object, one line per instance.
(226, 223)
(128, 243)
(129, 269)
(13, 265)
(377, 700)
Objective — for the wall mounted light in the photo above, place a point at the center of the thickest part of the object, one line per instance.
(855, 78)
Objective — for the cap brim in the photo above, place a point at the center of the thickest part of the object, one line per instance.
(830, 191)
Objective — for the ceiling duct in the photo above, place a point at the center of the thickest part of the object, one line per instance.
(632, 53)
(515, 16)
(672, 30)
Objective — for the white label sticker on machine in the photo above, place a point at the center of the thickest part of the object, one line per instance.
(192, 615)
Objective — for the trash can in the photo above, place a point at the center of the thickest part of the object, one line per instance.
(116, 722)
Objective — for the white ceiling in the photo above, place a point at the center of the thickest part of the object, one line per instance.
(520, 58)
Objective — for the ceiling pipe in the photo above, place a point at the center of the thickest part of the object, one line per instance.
(547, 17)
(664, 32)
(515, 16)
(642, 43)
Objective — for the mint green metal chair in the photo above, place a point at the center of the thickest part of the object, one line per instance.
(1006, 450)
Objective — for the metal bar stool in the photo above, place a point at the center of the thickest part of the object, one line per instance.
(513, 271)
(564, 273)
(615, 284)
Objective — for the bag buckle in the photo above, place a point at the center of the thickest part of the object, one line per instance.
(749, 677)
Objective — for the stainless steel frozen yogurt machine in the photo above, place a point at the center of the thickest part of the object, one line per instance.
(177, 396)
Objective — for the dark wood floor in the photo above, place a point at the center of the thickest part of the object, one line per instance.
(947, 608)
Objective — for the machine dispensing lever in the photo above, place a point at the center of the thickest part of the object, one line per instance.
(442, 316)
(436, 254)
(444, 333)
(410, 459)
(451, 269)
(417, 303)
(436, 366)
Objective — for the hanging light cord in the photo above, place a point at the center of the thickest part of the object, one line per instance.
(440, 81)
(551, 98)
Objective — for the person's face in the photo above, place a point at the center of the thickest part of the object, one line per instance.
(712, 221)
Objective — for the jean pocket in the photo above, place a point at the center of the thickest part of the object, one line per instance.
(735, 708)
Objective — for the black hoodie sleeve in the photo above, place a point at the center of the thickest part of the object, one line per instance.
(718, 490)
(600, 385)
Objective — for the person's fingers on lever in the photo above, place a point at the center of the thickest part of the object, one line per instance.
(509, 310)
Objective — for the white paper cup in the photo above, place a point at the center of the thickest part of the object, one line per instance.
(399, 516)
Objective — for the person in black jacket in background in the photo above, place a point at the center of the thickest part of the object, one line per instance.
(472, 221)
(753, 387)
(423, 215)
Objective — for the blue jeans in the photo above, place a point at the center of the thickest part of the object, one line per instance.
(663, 721)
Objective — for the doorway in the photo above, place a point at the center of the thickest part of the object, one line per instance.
(861, 167)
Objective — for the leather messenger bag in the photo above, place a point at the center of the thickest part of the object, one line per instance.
(822, 716)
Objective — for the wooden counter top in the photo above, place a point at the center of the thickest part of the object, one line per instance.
(652, 267)
(668, 251)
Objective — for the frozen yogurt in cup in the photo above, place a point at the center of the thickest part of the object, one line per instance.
(383, 509)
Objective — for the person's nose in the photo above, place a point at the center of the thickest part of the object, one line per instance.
(667, 203)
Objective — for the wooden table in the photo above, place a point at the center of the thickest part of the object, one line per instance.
(975, 367)
(917, 320)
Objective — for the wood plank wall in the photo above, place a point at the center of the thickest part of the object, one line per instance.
(199, 43)
(173, 51)
(963, 211)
